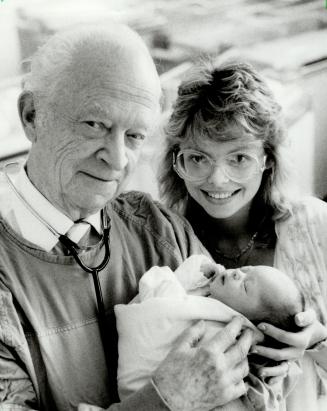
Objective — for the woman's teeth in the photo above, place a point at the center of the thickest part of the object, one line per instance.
(220, 195)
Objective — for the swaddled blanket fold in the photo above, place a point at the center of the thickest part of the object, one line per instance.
(150, 324)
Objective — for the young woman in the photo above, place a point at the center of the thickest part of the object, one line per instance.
(226, 169)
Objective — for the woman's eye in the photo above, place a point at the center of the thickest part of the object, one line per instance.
(197, 159)
(239, 159)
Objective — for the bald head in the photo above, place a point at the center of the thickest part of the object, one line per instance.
(73, 57)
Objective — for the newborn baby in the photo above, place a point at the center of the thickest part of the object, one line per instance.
(261, 293)
(169, 302)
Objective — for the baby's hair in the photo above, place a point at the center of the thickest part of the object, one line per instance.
(283, 316)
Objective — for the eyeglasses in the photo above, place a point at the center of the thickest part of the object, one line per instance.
(196, 166)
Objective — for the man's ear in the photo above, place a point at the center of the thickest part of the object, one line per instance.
(26, 109)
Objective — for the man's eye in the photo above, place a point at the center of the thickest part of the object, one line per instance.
(95, 125)
(240, 158)
(137, 136)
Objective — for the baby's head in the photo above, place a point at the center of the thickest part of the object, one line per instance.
(260, 293)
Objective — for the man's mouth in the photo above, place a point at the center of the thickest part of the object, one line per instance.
(103, 179)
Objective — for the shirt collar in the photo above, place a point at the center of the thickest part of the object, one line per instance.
(30, 226)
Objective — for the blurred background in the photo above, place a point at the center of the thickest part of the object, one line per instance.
(285, 39)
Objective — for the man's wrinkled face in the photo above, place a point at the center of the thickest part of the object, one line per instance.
(90, 136)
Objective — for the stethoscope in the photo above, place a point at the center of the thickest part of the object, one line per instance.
(73, 249)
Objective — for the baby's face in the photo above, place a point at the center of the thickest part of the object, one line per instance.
(245, 289)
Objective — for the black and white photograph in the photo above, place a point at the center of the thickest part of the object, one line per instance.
(163, 205)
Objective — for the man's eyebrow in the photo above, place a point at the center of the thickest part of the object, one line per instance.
(103, 115)
(94, 110)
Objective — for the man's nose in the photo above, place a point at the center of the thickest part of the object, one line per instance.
(113, 151)
(218, 176)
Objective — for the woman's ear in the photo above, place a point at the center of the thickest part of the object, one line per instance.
(26, 109)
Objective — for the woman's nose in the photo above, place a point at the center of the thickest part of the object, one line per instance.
(218, 176)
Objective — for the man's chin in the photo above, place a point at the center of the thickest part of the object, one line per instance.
(97, 204)
(82, 208)
(93, 198)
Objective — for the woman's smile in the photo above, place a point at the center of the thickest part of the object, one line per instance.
(220, 195)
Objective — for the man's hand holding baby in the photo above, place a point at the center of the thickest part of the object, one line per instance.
(214, 371)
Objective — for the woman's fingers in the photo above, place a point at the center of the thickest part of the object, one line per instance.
(298, 339)
(283, 354)
(305, 318)
(279, 370)
(275, 380)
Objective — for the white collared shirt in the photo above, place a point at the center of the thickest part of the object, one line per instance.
(22, 220)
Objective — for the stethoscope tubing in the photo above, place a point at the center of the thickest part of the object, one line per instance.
(73, 249)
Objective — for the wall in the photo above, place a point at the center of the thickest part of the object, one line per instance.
(9, 45)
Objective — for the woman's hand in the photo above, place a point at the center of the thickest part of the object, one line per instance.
(271, 375)
(297, 342)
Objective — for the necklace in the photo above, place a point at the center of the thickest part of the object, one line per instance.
(235, 258)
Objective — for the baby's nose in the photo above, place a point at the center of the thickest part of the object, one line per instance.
(237, 274)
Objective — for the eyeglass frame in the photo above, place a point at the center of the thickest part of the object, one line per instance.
(213, 164)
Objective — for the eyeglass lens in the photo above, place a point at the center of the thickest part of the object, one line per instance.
(194, 165)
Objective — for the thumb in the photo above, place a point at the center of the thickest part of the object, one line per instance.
(191, 337)
(305, 318)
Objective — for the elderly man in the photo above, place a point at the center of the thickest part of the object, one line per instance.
(90, 101)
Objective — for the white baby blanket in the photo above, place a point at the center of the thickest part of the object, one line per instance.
(163, 309)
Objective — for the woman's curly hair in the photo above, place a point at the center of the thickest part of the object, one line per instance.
(211, 101)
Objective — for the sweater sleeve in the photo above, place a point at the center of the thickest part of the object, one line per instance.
(318, 232)
(180, 233)
(146, 399)
(16, 388)
(17, 391)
